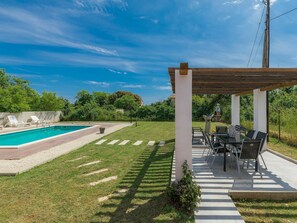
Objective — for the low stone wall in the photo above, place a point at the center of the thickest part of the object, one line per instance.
(51, 116)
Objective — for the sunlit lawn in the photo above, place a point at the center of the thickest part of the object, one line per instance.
(58, 192)
(268, 211)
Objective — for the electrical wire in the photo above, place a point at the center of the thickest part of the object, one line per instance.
(285, 13)
(259, 25)
(258, 48)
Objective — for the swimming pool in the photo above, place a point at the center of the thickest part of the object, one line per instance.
(28, 136)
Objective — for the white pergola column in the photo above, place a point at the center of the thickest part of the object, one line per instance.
(183, 121)
(260, 116)
(235, 110)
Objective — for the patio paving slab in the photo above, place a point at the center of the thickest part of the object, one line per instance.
(101, 141)
(95, 172)
(90, 163)
(124, 142)
(113, 142)
(104, 180)
(137, 143)
(161, 143)
(151, 143)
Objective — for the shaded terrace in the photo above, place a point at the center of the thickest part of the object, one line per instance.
(216, 185)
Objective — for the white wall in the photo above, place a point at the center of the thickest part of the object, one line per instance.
(260, 116)
(183, 121)
(235, 110)
(52, 116)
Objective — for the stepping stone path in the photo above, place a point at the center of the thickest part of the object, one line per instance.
(101, 141)
(124, 142)
(161, 143)
(88, 164)
(117, 193)
(151, 143)
(104, 180)
(95, 172)
(79, 158)
(113, 142)
(137, 143)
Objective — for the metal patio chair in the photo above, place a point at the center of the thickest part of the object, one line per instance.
(249, 150)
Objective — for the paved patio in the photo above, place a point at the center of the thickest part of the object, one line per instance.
(216, 204)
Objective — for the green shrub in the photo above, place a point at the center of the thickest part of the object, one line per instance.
(185, 194)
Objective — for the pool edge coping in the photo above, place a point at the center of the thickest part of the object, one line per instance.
(49, 153)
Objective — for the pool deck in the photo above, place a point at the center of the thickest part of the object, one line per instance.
(14, 167)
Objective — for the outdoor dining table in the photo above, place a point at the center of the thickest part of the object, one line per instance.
(229, 140)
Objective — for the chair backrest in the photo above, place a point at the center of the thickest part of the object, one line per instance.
(250, 149)
(250, 134)
(262, 136)
(196, 130)
(208, 141)
(240, 128)
(34, 118)
(11, 120)
(221, 129)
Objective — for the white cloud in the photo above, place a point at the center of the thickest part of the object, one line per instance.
(234, 2)
(38, 29)
(32, 76)
(153, 20)
(101, 6)
(116, 72)
(101, 84)
(165, 88)
(133, 86)
(256, 6)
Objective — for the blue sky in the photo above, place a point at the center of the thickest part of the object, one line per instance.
(108, 45)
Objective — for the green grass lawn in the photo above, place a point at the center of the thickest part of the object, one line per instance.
(58, 192)
(268, 211)
(283, 148)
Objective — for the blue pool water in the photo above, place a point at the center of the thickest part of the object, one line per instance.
(19, 138)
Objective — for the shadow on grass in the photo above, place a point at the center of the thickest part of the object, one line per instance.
(145, 200)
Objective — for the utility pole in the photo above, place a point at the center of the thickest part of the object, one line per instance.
(266, 55)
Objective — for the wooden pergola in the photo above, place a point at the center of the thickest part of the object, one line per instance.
(232, 81)
(237, 81)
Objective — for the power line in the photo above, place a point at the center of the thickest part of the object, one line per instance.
(258, 48)
(276, 17)
(256, 37)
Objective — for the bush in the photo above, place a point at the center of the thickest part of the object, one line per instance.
(185, 194)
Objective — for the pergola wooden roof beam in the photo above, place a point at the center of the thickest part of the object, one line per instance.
(236, 80)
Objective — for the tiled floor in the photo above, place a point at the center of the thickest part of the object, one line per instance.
(216, 204)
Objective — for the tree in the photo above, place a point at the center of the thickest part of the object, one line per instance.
(83, 97)
(49, 101)
(126, 102)
(4, 79)
(101, 98)
(113, 97)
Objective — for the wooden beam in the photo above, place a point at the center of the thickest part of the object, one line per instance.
(183, 69)
(244, 93)
(276, 86)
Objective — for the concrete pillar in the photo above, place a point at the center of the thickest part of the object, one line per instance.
(235, 110)
(183, 121)
(260, 117)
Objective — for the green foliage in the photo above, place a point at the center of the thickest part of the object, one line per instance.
(113, 97)
(101, 98)
(186, 193)
(126, 102)
(49, 101)
(83, 97)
